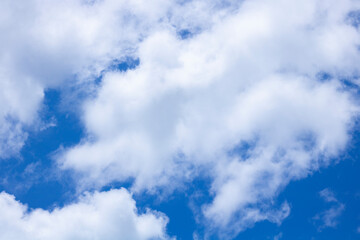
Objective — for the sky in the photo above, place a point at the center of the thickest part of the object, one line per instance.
(179, 119)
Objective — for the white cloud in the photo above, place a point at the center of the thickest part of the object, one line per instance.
(19, 101)
(251, 77)
(101, 215)
(47, 44)
(327, 195)
(329, 217)
(247, 76)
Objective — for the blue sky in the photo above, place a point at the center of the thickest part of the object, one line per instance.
(179, 119)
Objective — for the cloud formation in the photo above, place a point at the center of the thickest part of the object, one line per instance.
(100, 215)
(50, 44)
(254, 96)
(245, 100)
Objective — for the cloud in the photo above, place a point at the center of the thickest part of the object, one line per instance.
(278, 236)
(19, 101)
(242, 100)
(329, 217)
(46, 44)
(99, 215)
(328, 196)
(61, 45)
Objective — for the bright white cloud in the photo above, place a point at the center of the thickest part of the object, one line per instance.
(249, 78)
(47, 44)
(240, 100)
(19, 101)
(101, 215)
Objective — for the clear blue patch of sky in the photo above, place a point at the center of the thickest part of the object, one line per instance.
(185, 33)
(354, 18)
(119, 65)
(32, 177)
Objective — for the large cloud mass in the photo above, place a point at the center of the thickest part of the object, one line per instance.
(246, 99)
(47, 44)
(251, 94)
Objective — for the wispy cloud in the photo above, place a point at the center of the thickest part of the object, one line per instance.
(329, 217)
(278, 237)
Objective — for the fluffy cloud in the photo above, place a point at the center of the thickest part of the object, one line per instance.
(45, 44)
(242, 100)
(101, 215)
(19, 101)
(49, 44)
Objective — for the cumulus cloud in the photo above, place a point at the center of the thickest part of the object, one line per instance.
(243, 99)
(100, 215)
(240, 99)
(19, 101)
(329, 217)
(49, 44)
